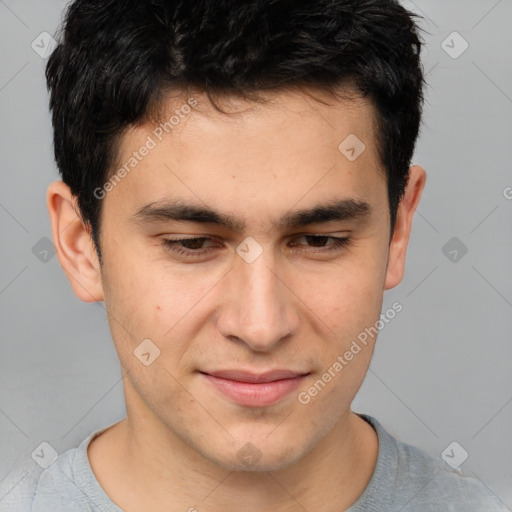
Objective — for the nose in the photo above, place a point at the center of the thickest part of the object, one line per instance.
(260, 307)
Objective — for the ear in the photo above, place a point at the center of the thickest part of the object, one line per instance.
(73, 243)
(400, 240)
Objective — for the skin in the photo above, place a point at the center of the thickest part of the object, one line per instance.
(297, 306)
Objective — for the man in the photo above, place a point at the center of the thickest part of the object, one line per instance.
(237, 189)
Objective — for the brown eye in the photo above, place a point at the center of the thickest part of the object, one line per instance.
(320, 241)
(186, 246)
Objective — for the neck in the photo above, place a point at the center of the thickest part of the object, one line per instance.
(141, 465)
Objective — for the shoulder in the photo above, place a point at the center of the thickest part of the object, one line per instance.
(408, 479)
(18, 488)
(67, 484)
(31, 488)
(429, 482)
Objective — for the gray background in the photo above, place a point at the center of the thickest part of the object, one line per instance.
(441, 370)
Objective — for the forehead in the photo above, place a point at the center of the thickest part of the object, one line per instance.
(290, 115)
(253, 156)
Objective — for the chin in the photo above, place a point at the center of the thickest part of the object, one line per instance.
(251, 459)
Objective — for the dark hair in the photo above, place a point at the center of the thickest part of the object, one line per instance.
(116, 58)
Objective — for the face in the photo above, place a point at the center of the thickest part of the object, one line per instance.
(272, 290)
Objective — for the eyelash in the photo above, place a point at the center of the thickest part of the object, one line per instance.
(173, 245)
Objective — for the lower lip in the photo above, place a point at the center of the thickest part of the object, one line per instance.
(255, 395)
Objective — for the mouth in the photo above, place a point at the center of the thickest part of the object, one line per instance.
(255, 390)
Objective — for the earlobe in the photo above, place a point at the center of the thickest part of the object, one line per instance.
(405, 213)
(73, 243)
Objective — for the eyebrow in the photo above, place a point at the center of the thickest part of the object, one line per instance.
(182, 211)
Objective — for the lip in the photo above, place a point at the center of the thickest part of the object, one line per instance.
(255, 390)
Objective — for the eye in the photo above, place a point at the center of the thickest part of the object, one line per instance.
(319, 241)
(179, 246)
(194, 247)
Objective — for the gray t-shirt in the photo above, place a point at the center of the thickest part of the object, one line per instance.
(405, 479)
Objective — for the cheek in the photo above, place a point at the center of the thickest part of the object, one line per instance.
(157, 301)
(346, 297)
(149, 297)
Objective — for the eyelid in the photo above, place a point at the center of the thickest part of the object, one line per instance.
(173, 245)
(181, 238)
